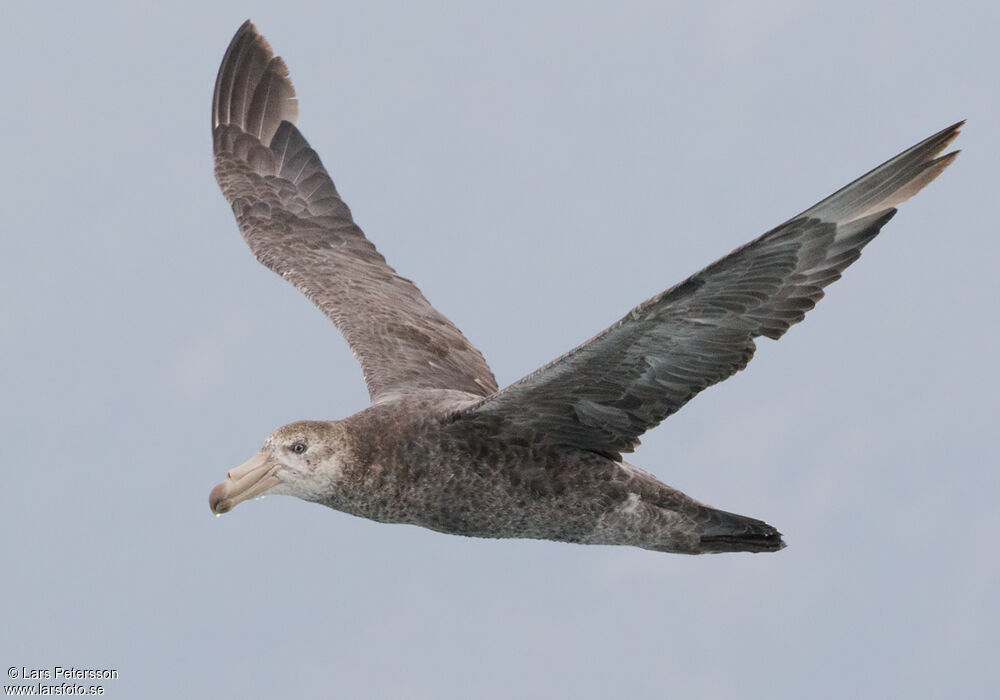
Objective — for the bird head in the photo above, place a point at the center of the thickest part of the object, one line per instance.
(303, 459)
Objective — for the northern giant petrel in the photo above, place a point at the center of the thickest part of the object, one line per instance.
(440, 446)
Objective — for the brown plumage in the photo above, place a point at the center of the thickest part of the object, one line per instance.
(440, 446)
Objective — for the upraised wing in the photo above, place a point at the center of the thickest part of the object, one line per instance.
(607, 392)
(296, 224)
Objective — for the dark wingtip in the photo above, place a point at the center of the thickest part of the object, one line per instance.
(253, 90)
(947, 135)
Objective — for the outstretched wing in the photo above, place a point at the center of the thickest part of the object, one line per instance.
(296, 224)
(607, 392)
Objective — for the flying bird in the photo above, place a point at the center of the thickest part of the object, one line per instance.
(441, 446)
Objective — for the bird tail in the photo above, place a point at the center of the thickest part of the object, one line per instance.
(728, 532)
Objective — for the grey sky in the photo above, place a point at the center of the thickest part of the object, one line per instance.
(537, 169)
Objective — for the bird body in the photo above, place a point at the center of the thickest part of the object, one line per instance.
(413, 459)
(441, 446)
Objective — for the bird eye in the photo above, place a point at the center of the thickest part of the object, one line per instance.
(298, 447)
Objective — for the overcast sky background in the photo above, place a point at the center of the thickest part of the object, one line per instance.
(537, 169)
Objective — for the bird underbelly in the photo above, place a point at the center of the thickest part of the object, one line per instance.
(527, 508)
(481, 503)
(582, 497)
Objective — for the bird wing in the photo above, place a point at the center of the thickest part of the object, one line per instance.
(604, 394)
(296, 224)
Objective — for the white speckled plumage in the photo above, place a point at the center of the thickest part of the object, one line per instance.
(440, 446)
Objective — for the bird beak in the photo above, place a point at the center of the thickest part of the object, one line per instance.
(253, 478)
